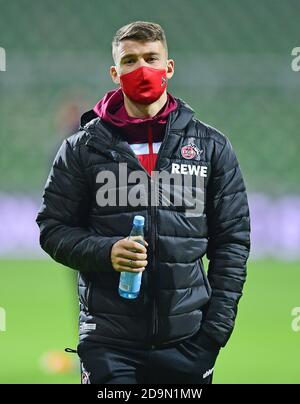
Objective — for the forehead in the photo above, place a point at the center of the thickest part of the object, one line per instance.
(139, 47)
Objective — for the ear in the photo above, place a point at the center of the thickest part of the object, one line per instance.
(170, 68)
(114, 74)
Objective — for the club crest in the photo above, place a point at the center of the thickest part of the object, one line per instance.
(191, 151)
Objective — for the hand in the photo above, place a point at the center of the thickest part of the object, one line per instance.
(129, 255)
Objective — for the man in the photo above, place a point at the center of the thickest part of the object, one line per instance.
(173, 331)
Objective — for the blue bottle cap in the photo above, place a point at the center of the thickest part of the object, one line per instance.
(139, 221)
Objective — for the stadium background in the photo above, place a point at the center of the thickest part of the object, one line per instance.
(233, 66)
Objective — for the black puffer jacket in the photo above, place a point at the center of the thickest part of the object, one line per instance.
(177, 300)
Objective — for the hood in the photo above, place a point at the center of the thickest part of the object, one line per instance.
(180, 117)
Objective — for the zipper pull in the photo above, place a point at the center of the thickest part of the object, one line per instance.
(70, 350)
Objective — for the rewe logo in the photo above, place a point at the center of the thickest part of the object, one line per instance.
(189, 169)
(2, 319)
(2, 60)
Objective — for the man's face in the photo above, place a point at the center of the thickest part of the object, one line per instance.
(132, 54)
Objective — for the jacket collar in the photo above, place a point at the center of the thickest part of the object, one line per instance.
(107, 140)
(178, 118)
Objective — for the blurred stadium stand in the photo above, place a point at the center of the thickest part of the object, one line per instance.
(233, 66)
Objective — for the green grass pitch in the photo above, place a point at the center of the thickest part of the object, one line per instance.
(41, 315)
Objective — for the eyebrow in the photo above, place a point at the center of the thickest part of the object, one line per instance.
(130, 55)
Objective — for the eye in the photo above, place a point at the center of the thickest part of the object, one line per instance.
(152, 59)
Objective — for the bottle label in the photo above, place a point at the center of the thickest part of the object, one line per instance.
(130, 282)
(124, 286)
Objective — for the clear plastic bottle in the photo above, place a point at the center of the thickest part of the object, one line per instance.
(130, 282)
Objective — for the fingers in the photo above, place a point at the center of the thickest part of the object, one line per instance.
(134, 245)
(125, 250)
(130, 255)
(132, 264)
(136, 266)
(131, 249)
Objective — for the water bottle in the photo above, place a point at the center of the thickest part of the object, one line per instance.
(130, 282)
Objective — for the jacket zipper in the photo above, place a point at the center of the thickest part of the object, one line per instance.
(154, 275)
(153, 236)
(153, 232)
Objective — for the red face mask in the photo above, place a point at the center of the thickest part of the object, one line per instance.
(144, 85)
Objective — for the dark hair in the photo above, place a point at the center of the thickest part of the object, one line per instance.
(139, 31)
